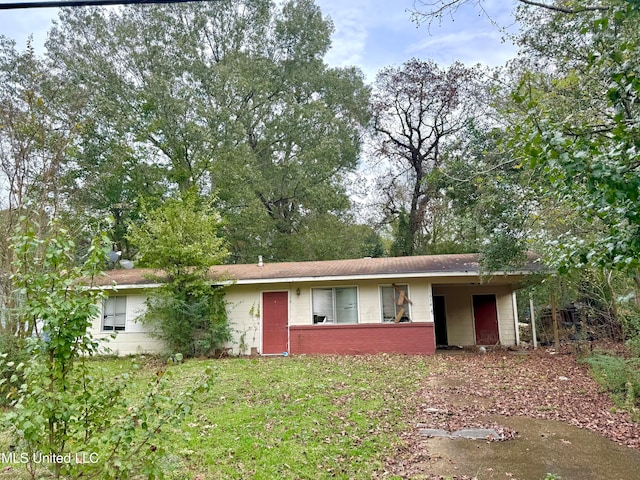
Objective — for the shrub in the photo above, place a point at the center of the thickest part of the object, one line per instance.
(619, 376)
(61, 403)
(191, 316)
(630, 320)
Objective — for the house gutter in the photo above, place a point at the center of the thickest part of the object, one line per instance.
(132, 286)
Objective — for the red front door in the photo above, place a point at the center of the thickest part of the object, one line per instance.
(485, 316)
(275, 319)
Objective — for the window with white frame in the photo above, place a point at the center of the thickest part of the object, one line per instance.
(114, 314)
(395, 303)
(338, 305)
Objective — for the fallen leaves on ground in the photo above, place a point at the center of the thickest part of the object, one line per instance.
(463, 389)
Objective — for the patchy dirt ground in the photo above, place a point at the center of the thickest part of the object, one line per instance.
(551, 413)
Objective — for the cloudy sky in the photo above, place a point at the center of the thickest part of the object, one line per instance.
(370, 34)
(376, 33)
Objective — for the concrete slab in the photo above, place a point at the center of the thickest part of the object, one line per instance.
(542, 446)
(476, 434)
(468, 433)
(434, 432)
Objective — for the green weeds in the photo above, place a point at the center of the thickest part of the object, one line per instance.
(287, 418)
(620, 377)
(300, 417)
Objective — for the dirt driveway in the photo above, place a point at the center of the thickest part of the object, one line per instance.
(551, 414)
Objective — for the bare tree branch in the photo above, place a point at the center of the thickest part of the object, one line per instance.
(430, 10)
(557, 8)
(418, 108)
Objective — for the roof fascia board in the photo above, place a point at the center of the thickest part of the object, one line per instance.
(328, 278)
(125, 286)
(384, 276)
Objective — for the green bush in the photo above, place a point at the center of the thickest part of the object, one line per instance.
(619, 376)
(191, 317)
(630, 321)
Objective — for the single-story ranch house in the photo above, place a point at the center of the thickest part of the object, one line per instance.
(369, 305)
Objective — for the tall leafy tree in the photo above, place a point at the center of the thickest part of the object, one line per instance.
(230, 96)
(181, 239)
(575, 97)
(491, 197)
(37, 128)
(574, 122)
(582, 131)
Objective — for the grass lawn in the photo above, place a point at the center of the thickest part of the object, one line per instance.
(294, 417)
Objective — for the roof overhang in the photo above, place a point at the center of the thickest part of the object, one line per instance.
(485, 279)
(444, 269)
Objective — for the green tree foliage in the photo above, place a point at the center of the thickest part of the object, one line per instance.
(572, 127)
(61, 403)
(491, 197)
(230, 96)
(573, 119)
(402, 238)
(182, 239)
(34, 135)
(588, 150)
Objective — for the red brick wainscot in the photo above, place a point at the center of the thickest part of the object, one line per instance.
(410, 338)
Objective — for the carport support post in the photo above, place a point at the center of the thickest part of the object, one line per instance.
(534, 334)
(516, 321)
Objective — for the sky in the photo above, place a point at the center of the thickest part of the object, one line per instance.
(370, 34)
(373, 34)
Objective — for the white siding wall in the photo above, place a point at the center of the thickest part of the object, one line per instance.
(244, 310)
(244, 307)
(458, 302)
(135, 338)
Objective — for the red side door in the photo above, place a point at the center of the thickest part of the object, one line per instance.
(275, 319)
(485, 316)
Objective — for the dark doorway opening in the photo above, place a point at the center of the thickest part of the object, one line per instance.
(440, 320)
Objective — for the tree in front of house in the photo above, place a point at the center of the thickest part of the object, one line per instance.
(60, 403)
(181, 239)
